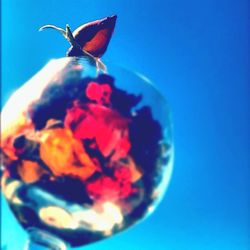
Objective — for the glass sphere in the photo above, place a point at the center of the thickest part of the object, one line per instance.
(85, 153)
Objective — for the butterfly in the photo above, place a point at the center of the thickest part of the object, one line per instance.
(90, 39)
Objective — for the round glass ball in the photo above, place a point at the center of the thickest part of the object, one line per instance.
(85, 153)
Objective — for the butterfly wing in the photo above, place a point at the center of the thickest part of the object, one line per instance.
(94, 37)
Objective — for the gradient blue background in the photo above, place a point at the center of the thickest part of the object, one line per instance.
(197, 53)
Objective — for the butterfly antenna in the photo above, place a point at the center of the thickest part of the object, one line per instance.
(62, 31)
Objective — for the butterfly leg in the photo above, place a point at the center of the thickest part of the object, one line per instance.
(100, 65)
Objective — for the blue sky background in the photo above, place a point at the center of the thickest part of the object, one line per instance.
(197, 53)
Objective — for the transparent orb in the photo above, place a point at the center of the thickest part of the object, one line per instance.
(85, 154)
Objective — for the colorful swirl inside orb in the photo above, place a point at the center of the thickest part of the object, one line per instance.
(83, 158)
